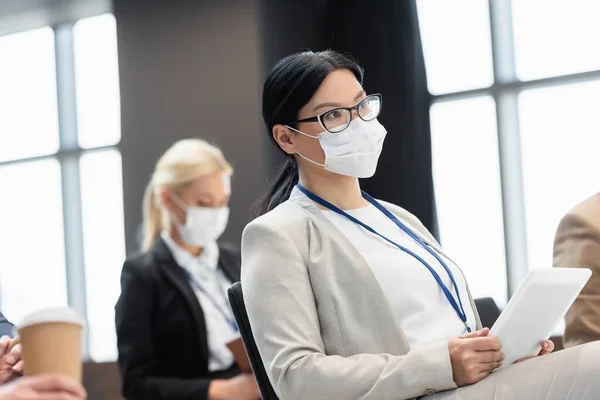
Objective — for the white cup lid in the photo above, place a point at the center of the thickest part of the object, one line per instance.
(56, 314)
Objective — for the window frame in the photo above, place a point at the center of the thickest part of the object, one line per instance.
(505, 91)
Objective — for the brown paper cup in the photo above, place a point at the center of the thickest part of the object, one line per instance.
(51, 343)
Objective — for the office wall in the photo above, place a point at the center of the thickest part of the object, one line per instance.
(190, 69)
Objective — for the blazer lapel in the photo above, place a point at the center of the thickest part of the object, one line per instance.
(177, 277)
(335, 235)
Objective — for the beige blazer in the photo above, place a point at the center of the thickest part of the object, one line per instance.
(322, 324)
(577, 245)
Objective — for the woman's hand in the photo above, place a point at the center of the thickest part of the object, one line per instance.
(547, 348)
(11, 365)
(43, 387)
(241, 387)
(474, 356)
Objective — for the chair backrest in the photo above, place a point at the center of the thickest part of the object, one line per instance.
(102, 381)
(236, 299)
(488, 311)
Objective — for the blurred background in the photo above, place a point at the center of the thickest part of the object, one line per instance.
(491, 109)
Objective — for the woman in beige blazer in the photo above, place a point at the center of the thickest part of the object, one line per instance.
(352, 298)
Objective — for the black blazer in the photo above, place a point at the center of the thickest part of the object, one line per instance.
(161, 332)
(6, 328)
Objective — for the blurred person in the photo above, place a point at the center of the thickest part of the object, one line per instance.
(173, 318)
(43, 387)
(352, 298)
(577, 245)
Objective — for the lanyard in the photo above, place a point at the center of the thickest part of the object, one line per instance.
(199, 286)
(458, 307)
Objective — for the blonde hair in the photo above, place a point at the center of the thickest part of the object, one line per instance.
(183, 163)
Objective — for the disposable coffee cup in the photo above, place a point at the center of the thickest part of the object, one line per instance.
(51, 342)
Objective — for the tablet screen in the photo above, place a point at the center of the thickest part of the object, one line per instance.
(536, 309)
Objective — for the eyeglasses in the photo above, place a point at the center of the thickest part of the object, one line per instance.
(338, 119)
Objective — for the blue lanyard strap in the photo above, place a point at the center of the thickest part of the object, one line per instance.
(199, 286)
(458, 307)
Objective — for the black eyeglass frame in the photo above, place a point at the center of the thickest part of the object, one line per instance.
(318, 118)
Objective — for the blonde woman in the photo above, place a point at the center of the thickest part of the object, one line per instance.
(173, 318)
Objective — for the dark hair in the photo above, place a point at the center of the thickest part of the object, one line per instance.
(288, 87)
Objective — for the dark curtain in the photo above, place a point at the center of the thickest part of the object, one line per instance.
(383, 36)
(287, 27)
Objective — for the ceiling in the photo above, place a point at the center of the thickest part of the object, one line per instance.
(20, 15)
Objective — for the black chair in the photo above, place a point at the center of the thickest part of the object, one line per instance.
(488, 311)
(236, 299)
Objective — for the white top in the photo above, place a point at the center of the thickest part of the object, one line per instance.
(204, 269)
(424, 313)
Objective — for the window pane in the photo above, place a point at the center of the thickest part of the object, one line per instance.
(560, 140)
(28, 105)
(555, 37)
(97, 81)
(456, 44)
(32, 270)
(466, 176)
(104, 246)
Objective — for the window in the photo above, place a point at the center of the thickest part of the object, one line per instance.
(99, 124)
(28, 87)
(544, 51)
(560, 136)
(102, 209)
(468, 198)
(457, 44)
(97, 81)
(33, 238)
(60, 170)
(514, 129)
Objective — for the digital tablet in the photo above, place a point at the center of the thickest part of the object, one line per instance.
(536, 309)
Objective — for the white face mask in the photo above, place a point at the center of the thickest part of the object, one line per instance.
(353, 151)
(203, 225)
